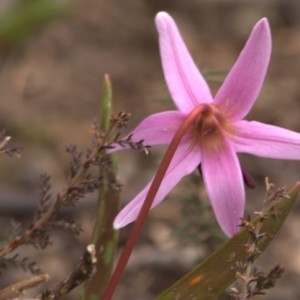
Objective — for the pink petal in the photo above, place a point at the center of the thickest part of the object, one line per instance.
(186, 85)
(266, 140)
(186, 159)
(224, 184)
(157, 129)
(242, 85)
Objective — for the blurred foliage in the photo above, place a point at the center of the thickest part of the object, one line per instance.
(26, 17)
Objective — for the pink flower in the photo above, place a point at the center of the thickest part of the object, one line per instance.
(220, 132)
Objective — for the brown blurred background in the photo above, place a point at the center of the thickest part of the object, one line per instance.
(50, 88)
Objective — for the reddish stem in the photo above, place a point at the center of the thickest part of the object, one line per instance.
(163, 167)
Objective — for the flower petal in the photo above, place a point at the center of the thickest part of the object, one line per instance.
(224, 184)
(266, 140)
(186, 159)
(157, 129)
(186, 85)
(243, 83)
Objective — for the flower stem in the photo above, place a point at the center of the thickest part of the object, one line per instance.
(163, 167)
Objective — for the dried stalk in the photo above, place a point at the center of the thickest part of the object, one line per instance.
(84, 270)
(14, 290)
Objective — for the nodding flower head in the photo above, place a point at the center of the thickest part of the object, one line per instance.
(218, 132)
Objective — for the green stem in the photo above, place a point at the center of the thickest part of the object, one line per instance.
(104, 237)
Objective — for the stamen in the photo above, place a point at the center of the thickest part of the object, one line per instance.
(208, 126)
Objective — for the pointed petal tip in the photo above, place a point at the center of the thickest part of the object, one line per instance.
(263, 27)
(230, 232)
(242, 85)
(117, 224)
(264, 21)
(263, 24)
(162, 15)
(122, 219)
(229, 229)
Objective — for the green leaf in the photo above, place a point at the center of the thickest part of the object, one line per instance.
(210, 278)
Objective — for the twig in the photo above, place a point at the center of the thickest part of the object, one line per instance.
(5, 149)
(101, 141)
(14, 290)
(84, 270)
(47, 215)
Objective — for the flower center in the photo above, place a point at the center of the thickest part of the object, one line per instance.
(209, 126)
